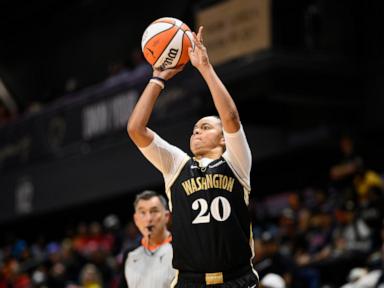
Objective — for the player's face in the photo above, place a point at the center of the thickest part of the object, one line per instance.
(151, 217)
(207, 135)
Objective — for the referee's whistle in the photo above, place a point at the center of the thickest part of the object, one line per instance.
(150, 227)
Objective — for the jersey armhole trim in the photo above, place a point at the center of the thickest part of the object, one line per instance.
(173, 179)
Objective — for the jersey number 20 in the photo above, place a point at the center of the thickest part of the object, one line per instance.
(204, 215)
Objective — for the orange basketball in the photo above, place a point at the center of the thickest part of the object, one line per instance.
(165, 43)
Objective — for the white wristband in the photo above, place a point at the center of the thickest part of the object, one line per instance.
(158, 82)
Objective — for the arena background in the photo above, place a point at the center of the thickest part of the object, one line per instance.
(69, 75)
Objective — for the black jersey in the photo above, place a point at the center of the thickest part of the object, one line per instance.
(210, 223)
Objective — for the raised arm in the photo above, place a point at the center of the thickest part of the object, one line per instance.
(223, 101)
(137, 128)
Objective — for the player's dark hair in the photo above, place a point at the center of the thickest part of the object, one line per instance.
(148, 194)
(215, 116)
(218, 118)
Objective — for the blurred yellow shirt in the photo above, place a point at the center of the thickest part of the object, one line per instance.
(369, 180)
(92, 285)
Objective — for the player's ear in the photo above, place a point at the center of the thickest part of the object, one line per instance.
(222, 140)
(222, 143)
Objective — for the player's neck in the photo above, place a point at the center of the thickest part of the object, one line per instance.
(212, 154)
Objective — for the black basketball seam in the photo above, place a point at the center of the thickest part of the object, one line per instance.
(160, 33)
(182, 45)
(168, 43)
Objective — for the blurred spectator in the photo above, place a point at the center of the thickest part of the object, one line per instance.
(8, 106)
(39, 277)
(370, 280)
(316, 240)
(100, 258)
(72, 261)
(352, 234)
(131, 239)
(14, 276)
(97, 240)
(271, 260)
(287, 231)
(375, 276)
(121, 72)
(57, 276)
(354, 275)
(371, 208)
(309, 246)
(294, 202)
(38, 249)
(344, 170)
(141, 68)
(365, 181)
(19, 248)
(112, 233)
(111, 222)
(90, 277)
(80, 238)
(94, 246)
(272, 280)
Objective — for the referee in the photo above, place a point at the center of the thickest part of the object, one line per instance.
(150, 265)
(208, 193)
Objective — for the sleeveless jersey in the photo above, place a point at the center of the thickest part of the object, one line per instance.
(210, 223)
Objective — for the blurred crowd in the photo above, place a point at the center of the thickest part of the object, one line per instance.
(326, 236)
(91, 256)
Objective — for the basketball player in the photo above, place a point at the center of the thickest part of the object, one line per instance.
(150, 265)
(207, 193)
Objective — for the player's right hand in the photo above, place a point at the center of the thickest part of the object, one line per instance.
(199, 56)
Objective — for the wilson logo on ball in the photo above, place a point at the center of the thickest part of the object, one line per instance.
(165, 43)
(170, 58)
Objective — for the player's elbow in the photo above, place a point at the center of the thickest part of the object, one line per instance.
(132, 131)
(135, 130)
(132, 128)
(141, 136)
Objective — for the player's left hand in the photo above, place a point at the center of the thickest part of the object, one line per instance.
(168, 73)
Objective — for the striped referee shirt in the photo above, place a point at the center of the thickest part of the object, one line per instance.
(148, 269)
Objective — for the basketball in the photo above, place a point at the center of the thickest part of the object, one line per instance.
(165, 43)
